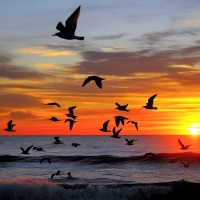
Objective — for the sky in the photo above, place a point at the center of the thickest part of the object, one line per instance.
(141, 48)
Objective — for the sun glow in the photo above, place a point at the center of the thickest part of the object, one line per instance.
(194, 130)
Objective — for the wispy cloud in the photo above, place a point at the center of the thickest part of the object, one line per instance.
(110, 37)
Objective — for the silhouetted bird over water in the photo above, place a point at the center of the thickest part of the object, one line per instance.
(115, 133)
(27, 150)
(38, 149)
(119, 119)
(105, 127)
(57, 173)
(46, 158)
(71, 123)
(10, 127)
(75, 144)
(52, 104)
(183, 147)
(185, 165)
(71, 112)
(69, 175)
(129, 142)
(57, 140)
(122, 108)
(97, 79)
(149, 105)
(68, 31)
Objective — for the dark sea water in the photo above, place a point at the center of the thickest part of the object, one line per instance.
(102, 167)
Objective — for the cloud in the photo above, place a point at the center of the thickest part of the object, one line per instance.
(110, 37)
(45, 65)
(114, 48)
(22, 115)
(44, 51)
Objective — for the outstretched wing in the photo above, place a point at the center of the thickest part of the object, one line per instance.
(60, 27)
(117, 104)
(9, 124)
(29, 148)
(87, 80)
(181, 143)
(105, 124)
(150, 100)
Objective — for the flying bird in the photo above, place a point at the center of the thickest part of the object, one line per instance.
(68, 31)
(105, 127)
(135, 123)
(10, 127)
(54, 119)
(115, 133)
(97, 79)
(122, 108)
(57, 140)
(57, 173)
(119, 119)
(149, 105)
(38, 149)
(46, 158)
(27, 150)
(53, 104)
(185, 165)
(183, 147)
(129, 142)
(69, 175)
(75, 144)
(71, 112)
(71, 123)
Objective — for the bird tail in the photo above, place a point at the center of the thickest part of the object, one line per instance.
(79, 38)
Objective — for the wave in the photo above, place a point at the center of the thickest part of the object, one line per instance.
(40, 190)
(108, 159)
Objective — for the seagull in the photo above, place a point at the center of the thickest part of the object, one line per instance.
(38, 149)
(57, 140)
(53, 104)
(57, 173)
(71, 123)
(115, 133)
(10, 127)
(149, 105)
(185, 165)
(122, 108)
(48, 159)
(130, 142)
(68, 31)
(97, 80)
(54, 119)
(27, 150)
(71, 112)
(183, 146)
(119, 119)
(149, 154)
(135, 123)
(105, 127)
(75, 144)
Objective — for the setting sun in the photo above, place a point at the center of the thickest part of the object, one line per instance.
(194, 130)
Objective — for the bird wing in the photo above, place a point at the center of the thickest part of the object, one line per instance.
(98, 82)
(29, 148)
(9, 124)
(71, 22)
(41, 160)
(57, 139)
(60, 27)
(117, 104)
(52, 176)
(150, 100)
(71, 112)
(181, 143)
(105, 124)
(71, 124)
(87, 80)
(127, 140)
(117, 133)
(117, 120)
(136, 125)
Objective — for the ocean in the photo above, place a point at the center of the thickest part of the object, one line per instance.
(102, 167)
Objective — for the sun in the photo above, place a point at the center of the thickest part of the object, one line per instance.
(194, 130)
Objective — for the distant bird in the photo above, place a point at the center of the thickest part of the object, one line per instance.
(149, 105)
(71, 123)
(53, 104)
(97, 79)
(69, 175)
(75, 144)
(183, 147)
(135, 123)
(105, 127)
(119, 119)
(57, 173)
(27, 150)
(68, 31)
(54, 119)
(38, 149)
(149, 154)
(46, 158)
(10, 127)
(115, 133)
(71, 112)
(122, 108)
(57, 140)
(186, 165)
(130, 142)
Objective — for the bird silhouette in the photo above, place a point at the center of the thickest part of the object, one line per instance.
(52, 104)
(57, 173)
(119, 119)
(135, 123)
(69, 175)
(115, 133)
(129, 142)
(75, 144)
(10, 127)
(38, 149)
(105, 127)
(57, 140)
(149, 105)
(68, 31)
(54, 119)
(122, 108)
(97, 79)
(186, 165)
(46, 158)
(27, 150)
(183, 147)
(71, 112)
(71, 123)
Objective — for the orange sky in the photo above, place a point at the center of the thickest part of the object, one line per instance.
(138, 54)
